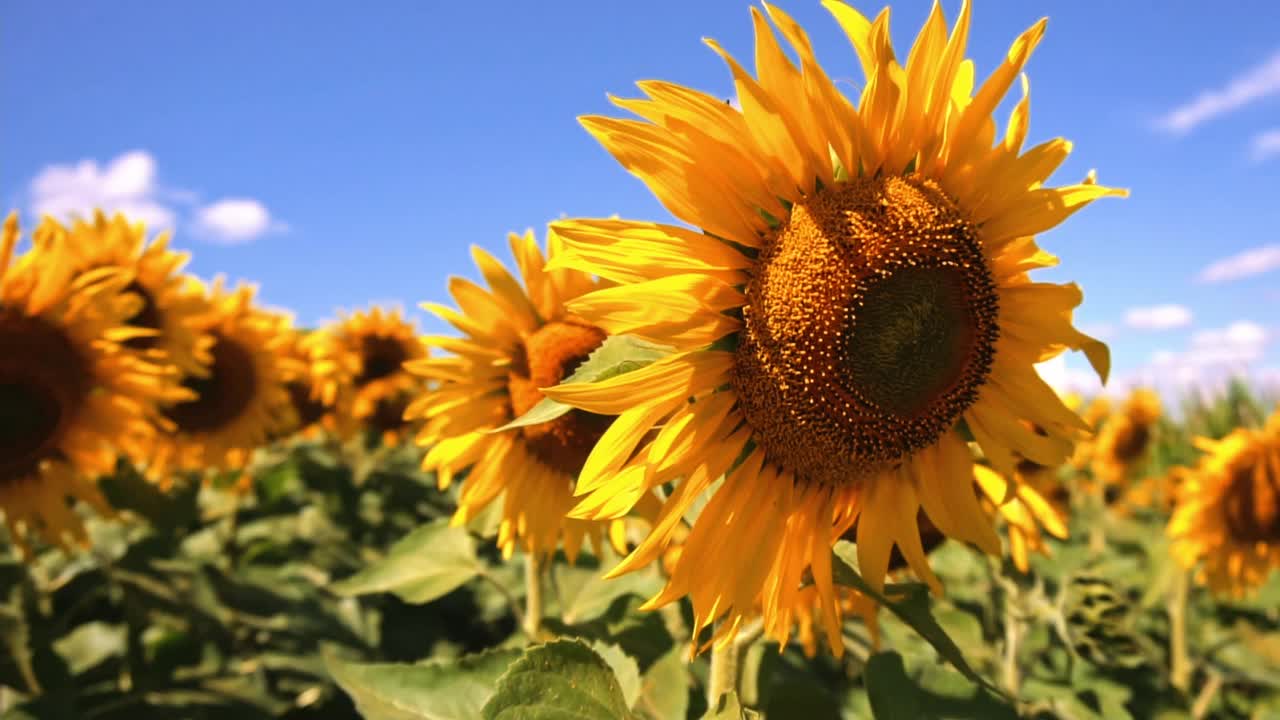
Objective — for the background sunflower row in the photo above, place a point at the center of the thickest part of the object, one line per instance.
(183, 381)
(113, 353)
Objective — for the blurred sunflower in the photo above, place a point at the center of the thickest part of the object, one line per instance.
(858, 292)
(71, 396)
(241, 402)
(1228, 511)
(169, 305)
(1124, 443)
(388, 421)
(1095, 414)
(366, 354)
(306, 377)
(1027, 509)
(515, 340)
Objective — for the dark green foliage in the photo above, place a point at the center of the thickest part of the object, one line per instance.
(337, 588)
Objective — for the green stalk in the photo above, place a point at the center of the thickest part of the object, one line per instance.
(724, 672)
(726, 662)
(1179, 660)
(533, 595)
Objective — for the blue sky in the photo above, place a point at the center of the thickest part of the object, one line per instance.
(343, 153)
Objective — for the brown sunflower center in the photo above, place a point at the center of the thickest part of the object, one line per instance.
(382, 356)
(308, 409)
(147, 317)
(388, 414)
(870, 324)
(1131, 441)
(1252, 505)
(43, 382)
(224, 395)
(550, 355)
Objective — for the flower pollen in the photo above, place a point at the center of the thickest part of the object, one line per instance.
(870, 325)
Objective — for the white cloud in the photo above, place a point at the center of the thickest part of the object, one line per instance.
(1266, 145)
(1101, 331)
(1065, 379)
(1158, 317)
(235, 220)
(1205, 365)
(1250, 262)
(1256, 84)
(1268, 380)
(1208, 362)
(127, 184)
(1240, 342)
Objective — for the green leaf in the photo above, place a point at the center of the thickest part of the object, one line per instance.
(664, 691)
(624, 668)
(785, 684)
(561, 680)
(90, 644)
(274, 483)
(910, 604)
(894, 694)
(592, 595)
(167, 511)
(455, 690)
(426, 564)
(891, 692)
(545, 411)
(617, 355)
(1092, 699)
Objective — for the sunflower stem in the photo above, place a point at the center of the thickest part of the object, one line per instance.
(1205, 698)
(1097, 531)
(1012, 642)
(724, 672)
(1179, 660)
(533, 595)
(726, 662)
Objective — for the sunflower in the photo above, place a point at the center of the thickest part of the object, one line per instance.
(806, 612)
(242, 401)
(1228, 511)
(1029, 507)
(1150, 493)
(1036, 502)
(1095, 414)
(515, 340)
(807, 615)
(388, 421)
(307, 376)
(855, 301)
(169, 306)
(365, 354)
(1125, 441)
(72, 396)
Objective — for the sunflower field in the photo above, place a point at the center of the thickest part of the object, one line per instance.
(784, 454)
